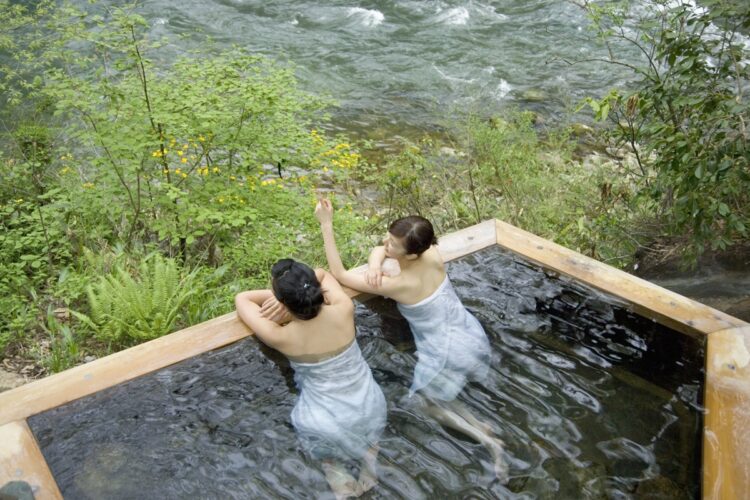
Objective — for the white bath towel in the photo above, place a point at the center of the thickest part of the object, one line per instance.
(452, 347)
(341, 410)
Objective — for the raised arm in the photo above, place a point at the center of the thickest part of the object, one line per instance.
(248, 305)
(388, 288)
(324, 213)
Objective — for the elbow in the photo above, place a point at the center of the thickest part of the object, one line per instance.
(240, 298)
(338, 273)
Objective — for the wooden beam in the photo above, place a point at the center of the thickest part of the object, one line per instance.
(469, 240)
(63, 387)
(726, 432)
(21, 460)
(645, 298)
(452, 246)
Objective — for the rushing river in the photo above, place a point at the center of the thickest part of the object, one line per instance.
(407, 63)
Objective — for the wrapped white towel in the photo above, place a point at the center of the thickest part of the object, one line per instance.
(452, 347)
(341, 410)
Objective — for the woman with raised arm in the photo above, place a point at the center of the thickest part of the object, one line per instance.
(341, 411)
(452, 347)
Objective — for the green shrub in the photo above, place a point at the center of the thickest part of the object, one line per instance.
(685, 116)
(64, 349)
(127, 309)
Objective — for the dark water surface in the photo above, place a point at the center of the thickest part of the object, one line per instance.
(591, 400)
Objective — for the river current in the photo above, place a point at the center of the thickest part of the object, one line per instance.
(405, 62)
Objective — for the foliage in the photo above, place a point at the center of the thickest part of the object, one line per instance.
(127, 309)
(64, 348)
(115, 152)
(502, 168)
(179, 145)
(686, 115)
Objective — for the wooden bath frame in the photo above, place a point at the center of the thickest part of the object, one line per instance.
(726, 439)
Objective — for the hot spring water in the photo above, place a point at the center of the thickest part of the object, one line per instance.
(591, 400)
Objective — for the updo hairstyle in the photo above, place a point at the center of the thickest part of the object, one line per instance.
(416, 233)
(295, 285)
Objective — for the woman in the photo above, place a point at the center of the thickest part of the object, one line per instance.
(452, 347)
(341, 411)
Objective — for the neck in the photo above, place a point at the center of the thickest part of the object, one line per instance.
(405, 263)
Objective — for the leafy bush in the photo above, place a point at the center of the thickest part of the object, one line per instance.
(686, 115)
(503, 168)
(64, 349)
(127, 309)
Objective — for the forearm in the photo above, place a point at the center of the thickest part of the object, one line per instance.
(254, 296)
(377, 256)
(248, 304)
(332, 253)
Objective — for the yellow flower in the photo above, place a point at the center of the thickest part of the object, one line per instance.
(179, 153)
(216, 170)
(183, 160)
(221, 199)
(325, 169)
(156, 154)
(165, 171)
(88, 185)
(178, 171)
(184, 175)
(232, 178)
(201, 138)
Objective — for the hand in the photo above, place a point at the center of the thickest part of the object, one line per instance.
(324, 211)
(374, 277)
(275, 311)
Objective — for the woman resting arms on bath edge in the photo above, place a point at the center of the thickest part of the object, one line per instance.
(452, 347)
(341, 411)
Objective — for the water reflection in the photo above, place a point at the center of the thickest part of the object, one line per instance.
(580, 419)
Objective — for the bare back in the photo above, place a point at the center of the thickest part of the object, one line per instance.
(419, 278)
(328, 333)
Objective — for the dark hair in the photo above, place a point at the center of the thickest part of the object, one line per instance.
(296, 286)
(415, 231)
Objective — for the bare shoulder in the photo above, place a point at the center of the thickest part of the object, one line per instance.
(334, 294)
(432, 255)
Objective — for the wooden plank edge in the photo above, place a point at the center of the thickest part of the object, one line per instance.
(22, 460)
(452, 246)
(647, 299)
(726, 463)
(55, 390)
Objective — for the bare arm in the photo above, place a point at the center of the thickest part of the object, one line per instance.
(376, 258)
(248, 305)
(356, 281)
(332, 290)
(374, 273)
(332, 251)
